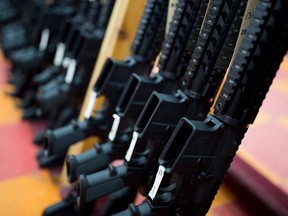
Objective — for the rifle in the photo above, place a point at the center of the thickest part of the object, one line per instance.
(199, 153)
(55, 71)
(120, 136)
(14, 35)
(69, 26)
(30, 59)
(158, 119)
(149, 35)
(76, 38)
(51, 77)
(112, 80)
(71, 92)
(8, 12)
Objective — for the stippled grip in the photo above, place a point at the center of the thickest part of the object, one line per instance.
(93, 186)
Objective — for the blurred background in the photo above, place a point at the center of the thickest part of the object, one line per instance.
(257, 182)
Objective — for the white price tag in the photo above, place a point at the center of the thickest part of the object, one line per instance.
(92, 101)
(132, 146)
(44, 39)
(157, 182)
(114, 128)
(59, 55)
(70, 71)
(66, 62)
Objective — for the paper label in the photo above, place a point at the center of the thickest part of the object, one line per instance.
(70, 71)
(66, 62)
(44, 39)
(132, 146)
(157, 182)
(114, 128)
(91, 103)
(59, 55)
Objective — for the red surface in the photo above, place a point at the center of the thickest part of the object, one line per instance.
(256, 191)
(15, 141)
(233, 208)
(266, 140)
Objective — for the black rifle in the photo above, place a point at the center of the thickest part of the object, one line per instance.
(51, 78)
(102, 154)
(53, 75)
(158, 119)
(62, 43)
(112, 80)
(14, 35)
(199, 153)
(8, 12)
(71, 92)
(145, 47)
(75, 43)
(29, 60)
(65, 39)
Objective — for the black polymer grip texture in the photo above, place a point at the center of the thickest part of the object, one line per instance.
(93, 160)
(173, 48)
(216, 57)
(105, 13)
(255, 65)
(58, 141)
(89, 161)
(96, 185)
(151, 31)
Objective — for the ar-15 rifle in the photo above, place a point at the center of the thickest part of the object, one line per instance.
(71, 92)
(183, 31)
(14, 35)
(31, 59)
(112, 80)
(199, 153)
(64, 41)
(56, 69)
(145, 47)
(52, 77)
(158, 119)
(75, 41)
(8, 12)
